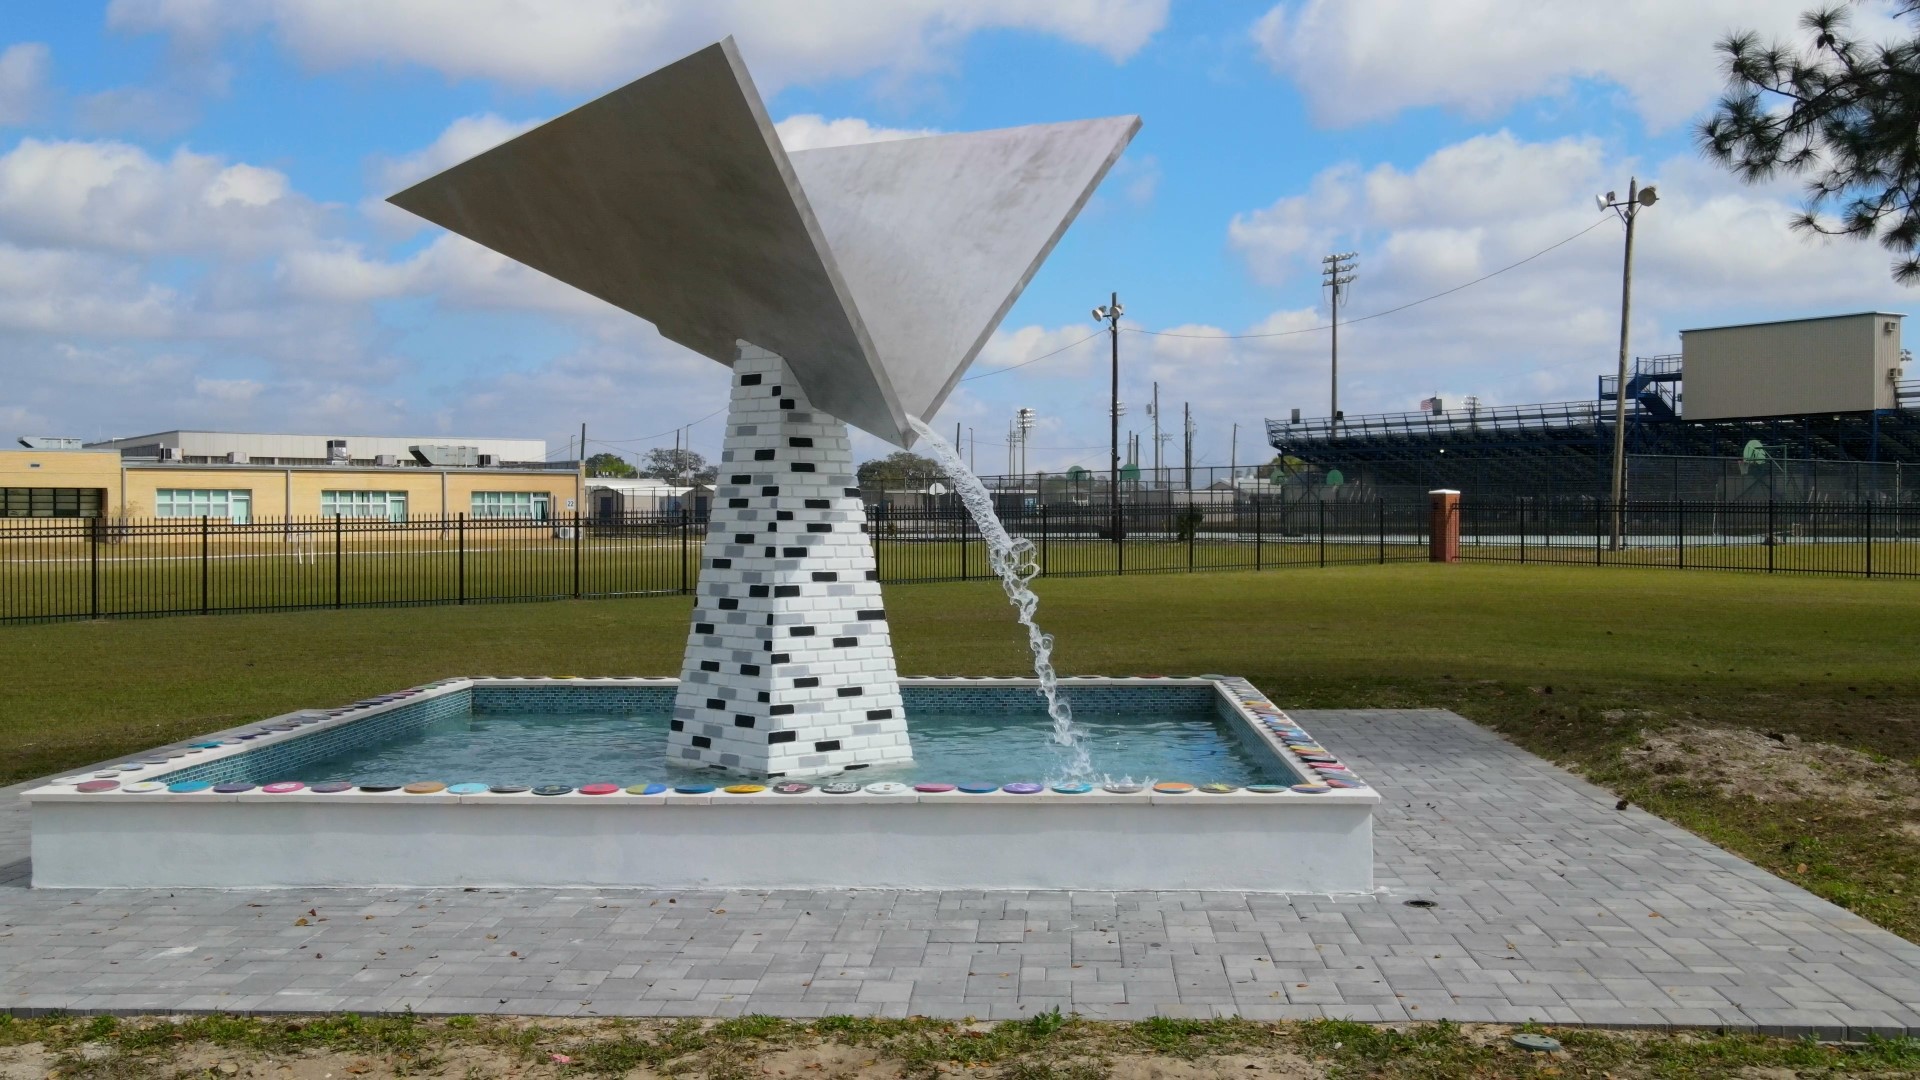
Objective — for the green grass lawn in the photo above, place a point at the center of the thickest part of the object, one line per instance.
(1574, 663)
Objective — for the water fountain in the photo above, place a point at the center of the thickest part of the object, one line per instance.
(840, 285)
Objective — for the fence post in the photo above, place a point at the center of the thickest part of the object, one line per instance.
(1383, 530)
(963, 546)
(1043, 539)
(1259, 531)
(1680, 531)
(686, 533)
(576, 554)
(1522, 501)
(204, 530)
(1323, 533)
(337, 559)
(1193, 536)
(1598, 509)
(93, 567)
(460, 573)
(1866, 512)
(1770, 538)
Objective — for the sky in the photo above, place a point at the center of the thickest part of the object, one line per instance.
(193, 232)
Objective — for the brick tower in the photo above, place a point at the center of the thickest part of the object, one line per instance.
(789, 668)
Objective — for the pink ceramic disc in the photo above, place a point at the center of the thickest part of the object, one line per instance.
(281, 787)
(933, 787)
(599, 789)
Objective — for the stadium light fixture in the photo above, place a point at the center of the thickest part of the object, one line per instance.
(1638, 199)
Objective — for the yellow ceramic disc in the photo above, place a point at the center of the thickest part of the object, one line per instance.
(744, 789)
(424, 787)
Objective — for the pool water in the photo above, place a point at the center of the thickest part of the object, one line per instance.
(578, 748)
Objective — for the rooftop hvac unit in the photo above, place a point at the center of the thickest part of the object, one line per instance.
(337, 451)
(386, 461)
(168, 453)
(236, 457)
(445, 455)
(49, 442)
(488, 461)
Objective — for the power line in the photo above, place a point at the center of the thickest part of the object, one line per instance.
(664, 434)
(1036, 359)
(1377, 314)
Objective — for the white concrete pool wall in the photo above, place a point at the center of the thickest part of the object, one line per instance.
(1243, 841)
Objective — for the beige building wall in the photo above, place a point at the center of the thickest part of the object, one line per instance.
(1836, 364)
(131, 489)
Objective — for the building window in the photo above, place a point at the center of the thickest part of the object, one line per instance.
(235, 506)
(510, 504)
(50, 502)
(381, 505)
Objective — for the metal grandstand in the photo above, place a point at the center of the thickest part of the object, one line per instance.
(1565, 447)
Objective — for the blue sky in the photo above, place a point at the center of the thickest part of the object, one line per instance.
(191, 233)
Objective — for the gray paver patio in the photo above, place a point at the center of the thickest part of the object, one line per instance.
(1550, 905)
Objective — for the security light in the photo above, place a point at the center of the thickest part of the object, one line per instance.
(1647, 196)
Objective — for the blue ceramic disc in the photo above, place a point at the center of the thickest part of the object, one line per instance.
(681, 789)
(839, 787)
(647, 789)
(506, 789)
(467, 789)
(553, 789)
(1268, 789)
(330, 787)
(1312, 789)
(379, 787)
(208, 745)
(234, 788)
(1074, 787)
(976, 788)
(187, 787)
(1023, 788)
(791, 787)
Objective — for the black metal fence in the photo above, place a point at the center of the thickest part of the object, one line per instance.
(92, 568)
(1865, 539)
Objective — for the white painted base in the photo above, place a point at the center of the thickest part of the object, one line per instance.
(1234, 842)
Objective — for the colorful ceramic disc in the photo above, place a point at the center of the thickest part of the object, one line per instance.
(647, 789)
(693, 789)
(791, 787)
(330, 787)
(974, 787)
(1173, 787)
(468, 788)
(1334, 782)
(1267, 789)
(144, 787)
(1073, 787)
(552, 789)
(507, 789)
(1312, 789)
(281, 787)
(599, 789)
(97, 785)
(933, 788)
(1023, 788)
(188, 787)
(379, 787)
(1124, 787)
(1217, 788)
(208, 745)
(839, 787)
(234, 788)
(424, 787)
(739, 789)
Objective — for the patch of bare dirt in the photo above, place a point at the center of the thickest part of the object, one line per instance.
(1780, 767)
(29, 1062)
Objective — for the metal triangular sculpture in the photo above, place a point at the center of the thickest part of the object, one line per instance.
(849, 284)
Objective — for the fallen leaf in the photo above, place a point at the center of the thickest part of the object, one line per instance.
(300, 922)
(1801, 869)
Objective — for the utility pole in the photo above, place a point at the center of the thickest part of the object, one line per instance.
(1023, 423)
(1154, 412)
(973, 450)
(1638, 198)
(1233, 454)
(1336, 273)
(1110, 314)
(1186, 412)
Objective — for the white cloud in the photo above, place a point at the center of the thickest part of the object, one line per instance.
(23, 78)
(1358, 60)
(587, 44)
(111, 196)
(811, 131)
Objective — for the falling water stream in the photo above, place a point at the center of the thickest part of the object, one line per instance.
(1012, 560)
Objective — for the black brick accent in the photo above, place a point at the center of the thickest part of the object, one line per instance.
(823, 747)
(801, 631)
(677, 725)
(873, 575)
(742, 720)
(780, 710)
(783, 515)
(786, 590)
(849, 691)
(765, 697)
(743, 538)
(851, 493)
(879, 714)
(819, 504)
(740, 478)
(749, 669)
(722, 564)
(846, 642)
(775, 392)
(703, 628)
(781, 736)
(769, 492)
(749, 380)
(728, 603)
(806, 681)
(786, 403)
(803, 466)
(736, 504)
(771, 527)
(796, 440)
(758, 590)
(793, 552)
(702, 742)
(709, 665)
(763, 455)
(825, 575)
(873, 615)
(770, 550)
(716, 703)
(819, 527)
(776, 658)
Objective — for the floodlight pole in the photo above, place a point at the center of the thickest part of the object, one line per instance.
(1629, 210)
(1336, 272)
(1110, 314)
